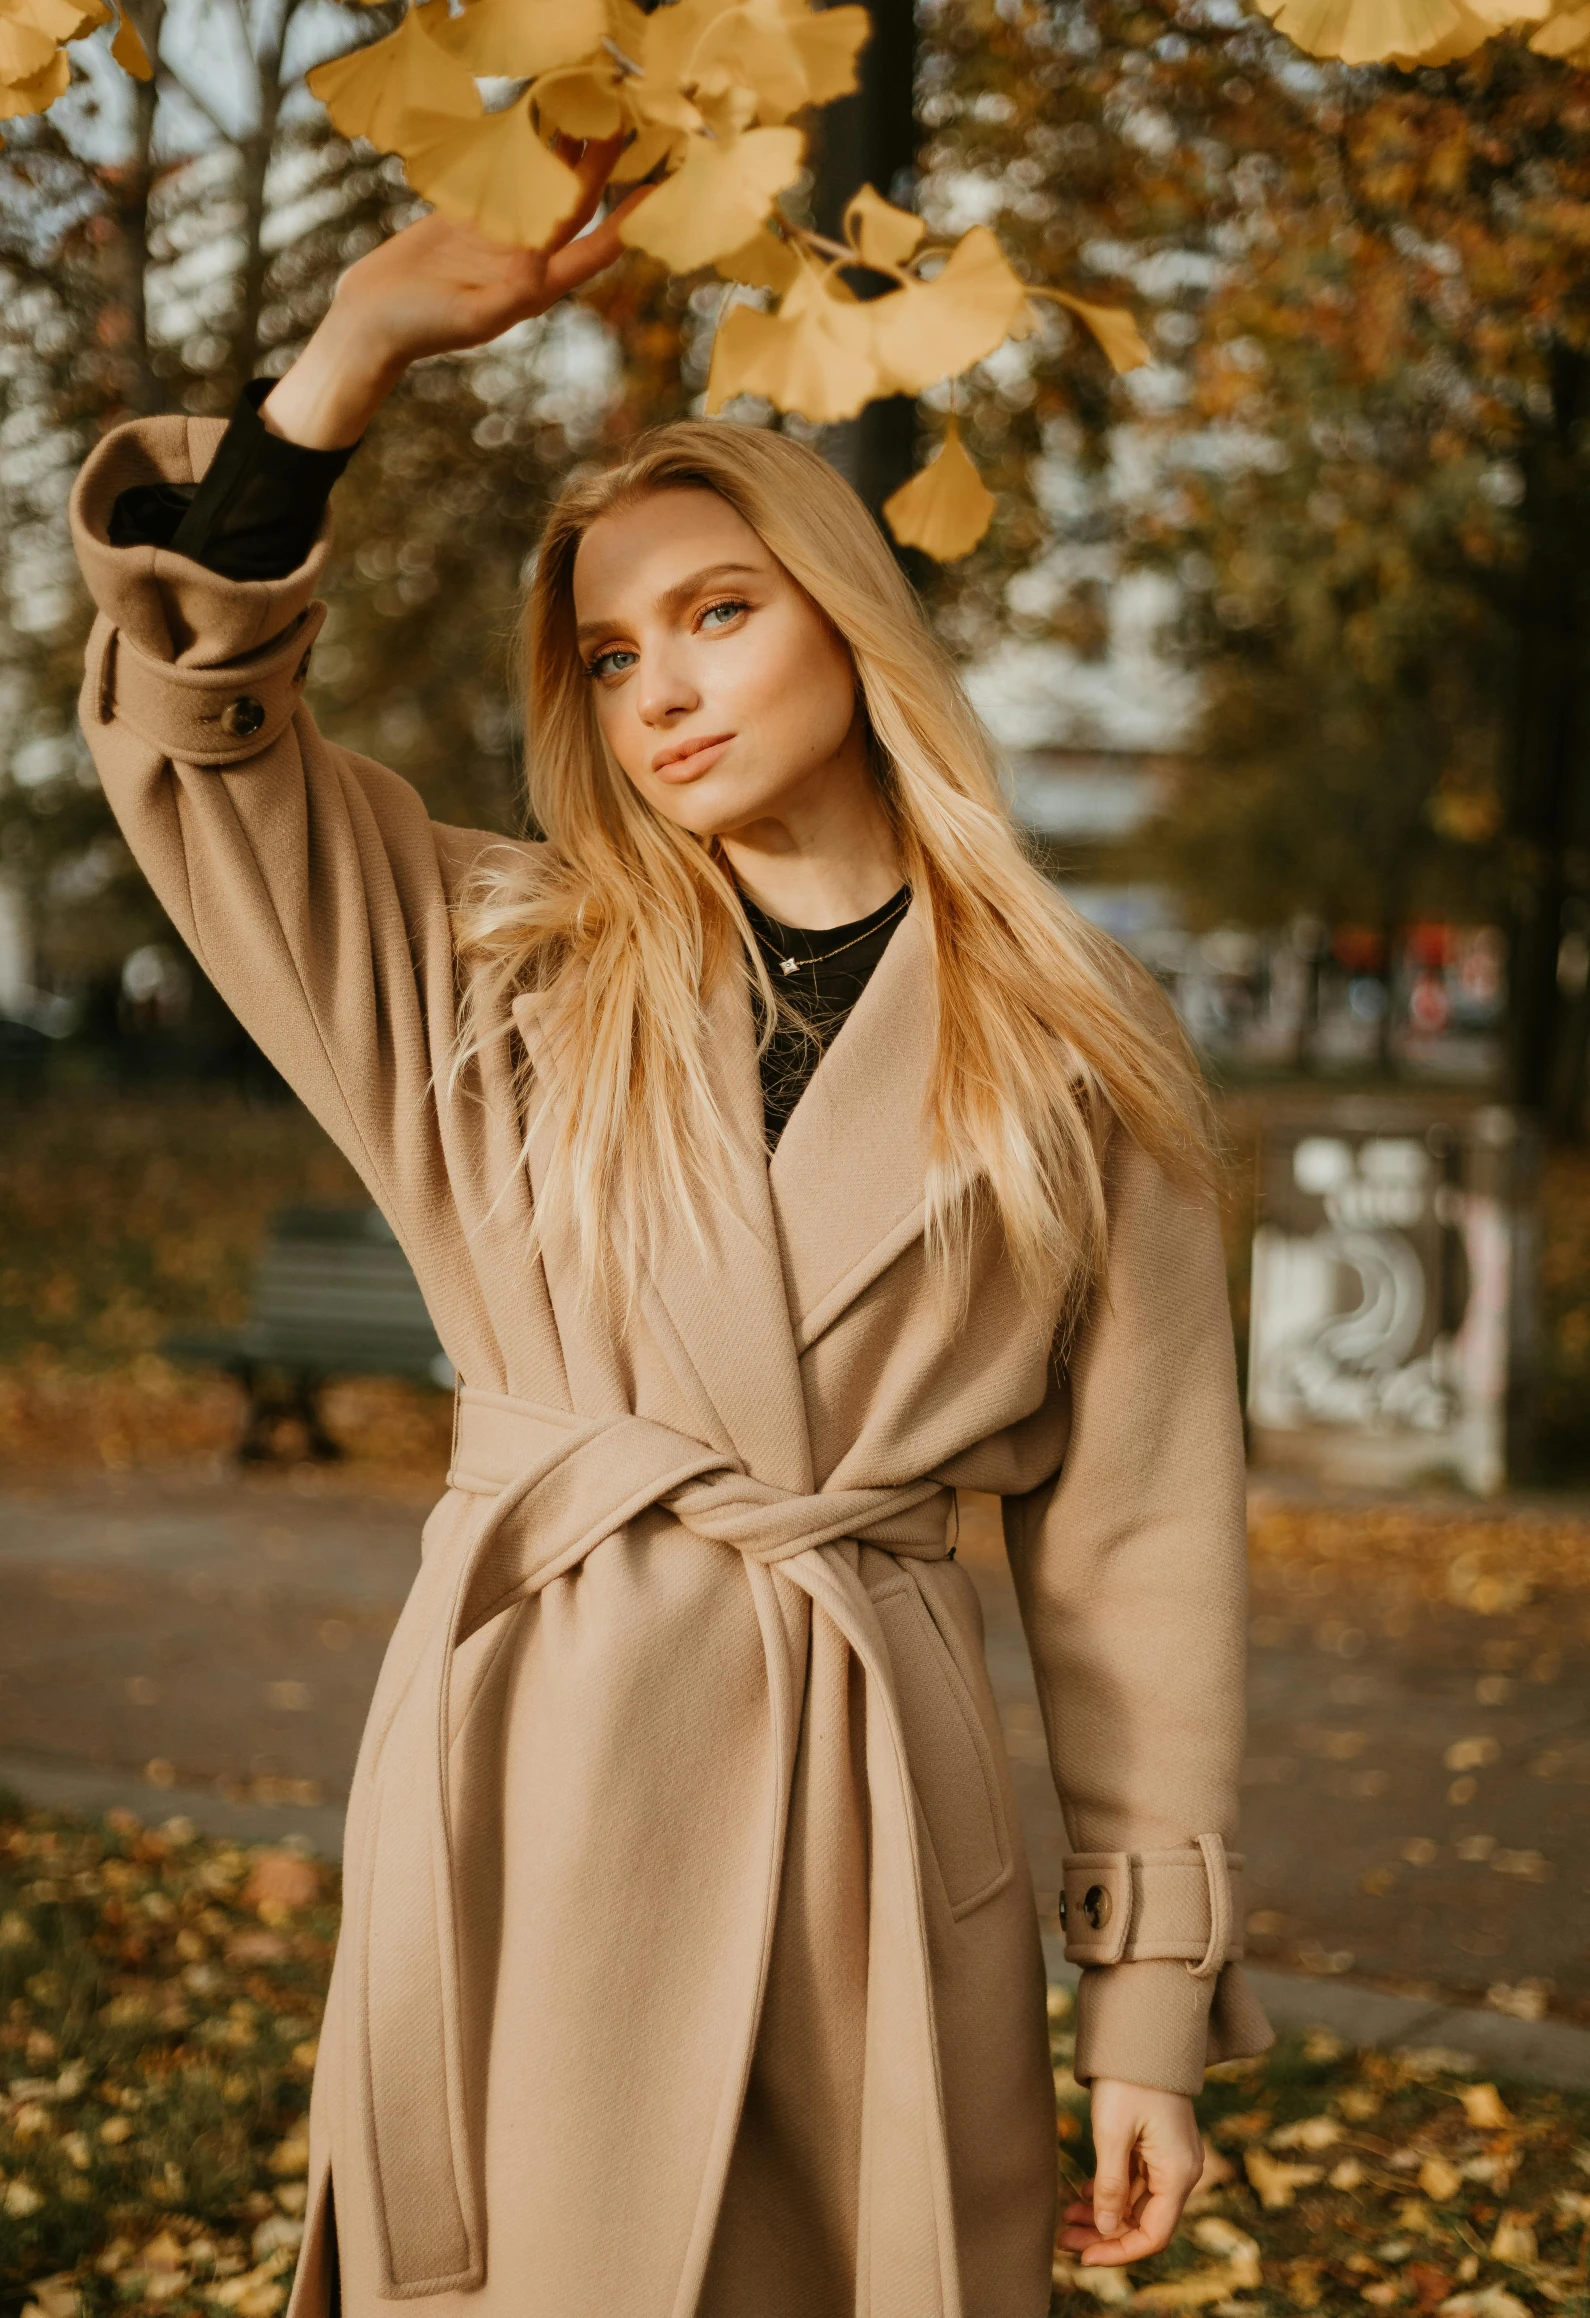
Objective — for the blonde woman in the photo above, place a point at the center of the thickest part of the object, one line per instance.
(777, 1154)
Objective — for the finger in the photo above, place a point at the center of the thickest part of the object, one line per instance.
(592, 170)
(1112, 2184)
(1091, 2252)
(595, 250)
(1150, 2233)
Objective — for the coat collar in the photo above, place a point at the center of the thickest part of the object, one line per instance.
(792, 1244)
(847, 1178)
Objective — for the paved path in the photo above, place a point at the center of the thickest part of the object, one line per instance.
(214, 1633)
(1412, 1814)
(221, 1636)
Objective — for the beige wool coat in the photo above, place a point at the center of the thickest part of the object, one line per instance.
(689, 1961)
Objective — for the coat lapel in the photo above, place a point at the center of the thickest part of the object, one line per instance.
(847, 1178)
(792, 1244)
(717, 1300)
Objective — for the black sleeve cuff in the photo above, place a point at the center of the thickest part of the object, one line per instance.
(257, 511)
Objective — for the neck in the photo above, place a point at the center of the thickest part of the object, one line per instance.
(826, 864)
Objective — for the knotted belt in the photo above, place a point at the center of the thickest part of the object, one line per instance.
(543, 1470)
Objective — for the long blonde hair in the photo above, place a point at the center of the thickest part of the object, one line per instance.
(621, 922)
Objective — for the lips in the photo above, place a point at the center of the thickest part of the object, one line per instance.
(687, 758)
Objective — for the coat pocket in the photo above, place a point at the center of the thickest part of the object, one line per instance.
(952, 1763)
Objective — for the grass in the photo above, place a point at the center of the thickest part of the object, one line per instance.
(160, 1995)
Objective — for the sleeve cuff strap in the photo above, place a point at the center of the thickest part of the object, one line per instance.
(201, 716)
(1182, 1905)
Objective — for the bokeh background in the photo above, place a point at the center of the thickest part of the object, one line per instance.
(1283, 639)
(1282, 636)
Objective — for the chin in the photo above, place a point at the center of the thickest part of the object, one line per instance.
(713, 808)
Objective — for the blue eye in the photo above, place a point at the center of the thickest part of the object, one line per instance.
(605, 663)
(729, 609)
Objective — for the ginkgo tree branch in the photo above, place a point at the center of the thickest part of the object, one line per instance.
(703, 99)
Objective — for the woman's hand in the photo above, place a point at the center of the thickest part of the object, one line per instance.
(1149, 2156)
(435, 288)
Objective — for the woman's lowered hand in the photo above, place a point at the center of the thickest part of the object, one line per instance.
(436, 288)
(1149, 2155)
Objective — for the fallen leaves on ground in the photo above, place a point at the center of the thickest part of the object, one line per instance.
(1409, 2215)
(1487, 1562)
(160, 2000)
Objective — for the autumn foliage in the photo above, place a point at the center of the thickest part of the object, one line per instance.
(704, 95)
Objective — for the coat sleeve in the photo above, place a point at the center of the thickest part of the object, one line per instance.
(309, 883)
(1130, 1564)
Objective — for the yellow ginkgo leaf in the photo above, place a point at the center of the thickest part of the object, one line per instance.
(945, 508)
(59, 19)
(828, 44)
(750, 46)
(934, 329)
(727, 106)
(517, 39)
(580, 100)
(814, 356)
(880, 233)
(1388, 31)
(654, 143)
(25, 52)
(661, 103)
(129, 51)
(494, 174)
(34, 96)
(1462, 38)
(1566, 35)
(626, 27)
(763, 263)
(665, 45)
(1115, 329)
(378, 92)
(716, 201)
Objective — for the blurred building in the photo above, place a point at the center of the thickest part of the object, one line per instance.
(1303, 994)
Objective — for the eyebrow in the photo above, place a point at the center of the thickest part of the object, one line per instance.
(675, 598)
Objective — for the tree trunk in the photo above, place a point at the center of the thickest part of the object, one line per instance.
(1549, 807)
(871, 138)
(144, 391)
(254, 160)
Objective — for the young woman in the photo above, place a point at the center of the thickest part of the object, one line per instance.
(777, 1153)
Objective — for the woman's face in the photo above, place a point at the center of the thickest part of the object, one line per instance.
(721, 689)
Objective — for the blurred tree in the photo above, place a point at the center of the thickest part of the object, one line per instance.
(159, 242)
(160, 245)
(1361, 453)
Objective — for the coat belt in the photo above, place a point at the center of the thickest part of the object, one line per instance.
(556, 1485)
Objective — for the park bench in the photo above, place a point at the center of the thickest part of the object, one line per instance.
(333, 1296)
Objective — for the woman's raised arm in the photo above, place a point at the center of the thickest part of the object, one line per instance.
(435, 288)
(310, 884)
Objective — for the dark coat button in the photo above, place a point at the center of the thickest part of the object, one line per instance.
(1064, 1911)
(243, 717)
(1096, 1906)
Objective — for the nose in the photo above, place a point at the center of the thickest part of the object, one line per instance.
(666, 691)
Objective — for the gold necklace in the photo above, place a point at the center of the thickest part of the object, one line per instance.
(794, 965)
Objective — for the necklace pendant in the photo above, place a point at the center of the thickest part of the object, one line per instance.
(788, 965)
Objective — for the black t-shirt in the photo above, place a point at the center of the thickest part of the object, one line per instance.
(255, 515)
(822, 973)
